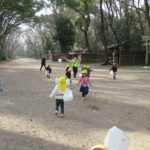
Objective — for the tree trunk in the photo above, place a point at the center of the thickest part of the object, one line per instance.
(147, 54)
(87, 41)
(104, 41)
(140, 21)
(147, 13)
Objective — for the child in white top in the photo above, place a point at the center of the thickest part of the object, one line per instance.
(59, 93)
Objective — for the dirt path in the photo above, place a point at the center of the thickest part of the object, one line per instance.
(27, 120)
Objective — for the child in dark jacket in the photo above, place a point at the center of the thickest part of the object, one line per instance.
(114, 70)
(48, 70)
(68, 73)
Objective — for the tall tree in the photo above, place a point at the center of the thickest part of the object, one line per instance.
(15, 12)
(65, 34)
(145, 9)
(83, 11)
(104, 41)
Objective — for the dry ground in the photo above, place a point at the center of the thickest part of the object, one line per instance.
(27, 120)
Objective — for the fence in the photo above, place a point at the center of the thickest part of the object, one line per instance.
(85, 58)
(91, 58)
(132, 58)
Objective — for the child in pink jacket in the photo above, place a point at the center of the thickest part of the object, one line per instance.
(85, 82)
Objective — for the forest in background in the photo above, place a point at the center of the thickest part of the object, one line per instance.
(88, 24)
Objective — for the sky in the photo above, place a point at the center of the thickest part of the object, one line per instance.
(46, 11)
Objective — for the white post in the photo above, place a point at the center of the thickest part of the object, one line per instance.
(113, 54)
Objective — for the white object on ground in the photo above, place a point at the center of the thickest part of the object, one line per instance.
(59, 60)
(68, 95)
(116, 139)
(53, 92)
(111, 72)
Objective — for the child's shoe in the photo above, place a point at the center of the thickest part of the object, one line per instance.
(62, 115)
(56, 112)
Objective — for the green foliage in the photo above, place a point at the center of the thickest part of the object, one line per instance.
(21, 9)
(82, 9)
(15, 12)
(128, 30)
(65, 34)
(3, 58)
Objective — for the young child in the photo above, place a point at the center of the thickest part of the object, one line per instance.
(59, 93)
(68, 73)
(84, 67)
(114, 70)
(67, 67)
(68, 76)
(48, 70)
(85, 82)
(89, 70)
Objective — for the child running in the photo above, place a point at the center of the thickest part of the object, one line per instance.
(68, 76)
(68, 73)
(114, 70)
(59, 93)
(85, 82)
(48, 70)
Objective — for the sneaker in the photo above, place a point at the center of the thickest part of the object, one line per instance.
(56, 112)
(83, 98)
(62, 115)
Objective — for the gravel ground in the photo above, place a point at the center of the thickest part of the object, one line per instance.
(27, 120)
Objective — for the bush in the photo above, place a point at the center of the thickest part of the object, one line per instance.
(3, 58)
